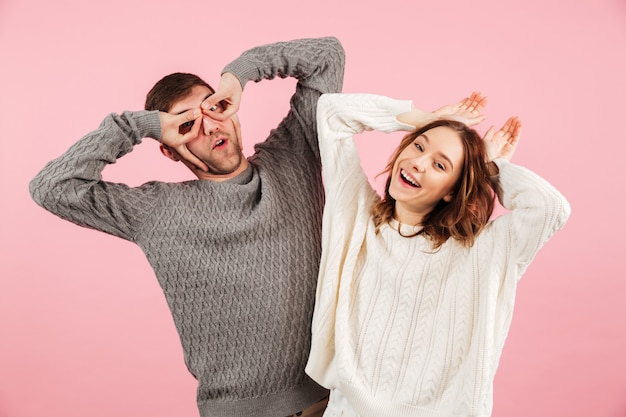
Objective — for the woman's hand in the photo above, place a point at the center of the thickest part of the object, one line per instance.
(468, 110)
(502, 143)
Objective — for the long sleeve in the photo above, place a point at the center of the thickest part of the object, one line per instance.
(71, 186)
(340, 117)
(349, 198)
(317, 63)
(537, 211)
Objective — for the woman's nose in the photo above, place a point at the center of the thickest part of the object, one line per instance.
(419, 163)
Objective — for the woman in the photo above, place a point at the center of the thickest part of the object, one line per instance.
(416, 290)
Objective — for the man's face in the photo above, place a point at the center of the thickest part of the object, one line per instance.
(218, 143)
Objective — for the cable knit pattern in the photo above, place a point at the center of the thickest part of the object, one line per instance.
(237, 260)
(400, 330)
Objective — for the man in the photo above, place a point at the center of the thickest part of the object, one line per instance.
(236, 251)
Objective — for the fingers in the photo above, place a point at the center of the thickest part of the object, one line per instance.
(187, 122)
(475, 103)
(512, 126)
(175, 127)
(504, 141)
(190, 157)
(515, 129)
(476, 98)
(481, 102)
(225, 101)
(193, 133)
(214, 105)
(472, 107)
(179, 129)
(210, 103)
(191, 114)
(479, 119)
(219, 108)
(195, 128)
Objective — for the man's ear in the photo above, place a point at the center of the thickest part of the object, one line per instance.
(169, 153)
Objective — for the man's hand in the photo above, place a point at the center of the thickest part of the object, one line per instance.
(502, 144)
(227, 98)
(177, 130)
(468, 110)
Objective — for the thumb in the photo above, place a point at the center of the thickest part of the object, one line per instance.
(213, 106)
(490, 132)
(212, 100)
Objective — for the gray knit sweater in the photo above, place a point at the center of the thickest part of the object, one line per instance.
(237, 260)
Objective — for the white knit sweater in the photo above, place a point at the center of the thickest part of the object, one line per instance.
(398, 329)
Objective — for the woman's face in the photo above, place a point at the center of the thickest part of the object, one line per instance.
(426, 172)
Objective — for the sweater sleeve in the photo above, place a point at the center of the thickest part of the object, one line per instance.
(317, 63)
(340, 117)
(349, 198)
(537, 212)
(71, 186)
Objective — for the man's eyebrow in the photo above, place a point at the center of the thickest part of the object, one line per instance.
(207, 96)
(443, 155)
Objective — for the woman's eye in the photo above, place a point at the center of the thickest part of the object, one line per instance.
(440, 166)
(418, 146)
(186, 127)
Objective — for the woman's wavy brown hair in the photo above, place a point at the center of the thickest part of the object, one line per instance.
(473, 198)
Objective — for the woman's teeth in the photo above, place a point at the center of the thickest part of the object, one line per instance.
(408, 179)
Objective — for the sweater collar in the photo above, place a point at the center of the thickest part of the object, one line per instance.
(404, 229)
(241, 179)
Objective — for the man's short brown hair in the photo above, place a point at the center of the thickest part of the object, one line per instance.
(172, 88)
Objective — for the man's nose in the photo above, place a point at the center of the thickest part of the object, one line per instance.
(210, 126)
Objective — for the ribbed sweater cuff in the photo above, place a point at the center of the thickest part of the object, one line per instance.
(244, 71)
(148, 123)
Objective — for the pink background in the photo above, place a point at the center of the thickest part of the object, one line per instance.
(84, 328)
